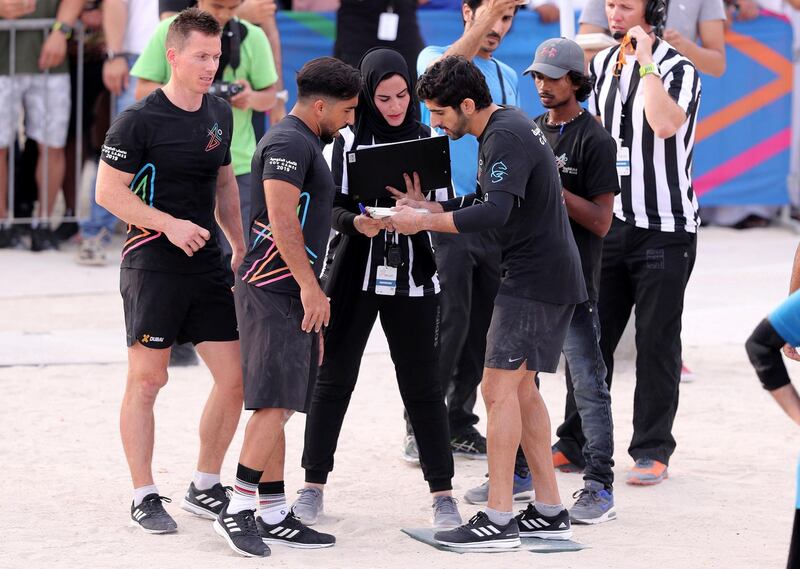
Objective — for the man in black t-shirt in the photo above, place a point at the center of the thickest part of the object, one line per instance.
(586, 158)
(518, 196)
(165, 163)
(280, 304)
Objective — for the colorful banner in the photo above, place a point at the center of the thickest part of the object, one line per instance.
(743, 137)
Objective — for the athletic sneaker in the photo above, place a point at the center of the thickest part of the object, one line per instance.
(91, 251)
(687, 375)
(183, 355)
(469, 445)
(410, 450)
(293, 533)
(445, 512)
(563, 464)
(647, 472)
(532, 523)
(206, 503)
(523, 491)
(241, 533)
(151, 516)
(309, 505)
(594, 504)
(481, 532)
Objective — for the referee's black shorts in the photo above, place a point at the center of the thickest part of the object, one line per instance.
(164, 308)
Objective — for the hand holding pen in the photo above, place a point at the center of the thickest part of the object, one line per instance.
(366, 225)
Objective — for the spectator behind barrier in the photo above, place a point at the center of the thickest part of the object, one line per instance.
(40, 85)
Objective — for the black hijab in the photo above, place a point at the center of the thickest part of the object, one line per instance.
(376, 65)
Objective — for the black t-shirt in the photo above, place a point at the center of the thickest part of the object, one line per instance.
(540, 258)
(292, 153)
(175, 156)
(357, 29)
(586, 157)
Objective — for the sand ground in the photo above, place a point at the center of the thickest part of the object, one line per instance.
(728, 502)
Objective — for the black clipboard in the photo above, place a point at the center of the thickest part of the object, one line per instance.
(370, 170)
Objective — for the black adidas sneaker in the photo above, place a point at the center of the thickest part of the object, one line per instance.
(151, 516)
(481, 532)
(241, 533)
(206, 503)
(534, 524)
(291, 532)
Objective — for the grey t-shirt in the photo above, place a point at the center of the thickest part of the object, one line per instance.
(683, 15)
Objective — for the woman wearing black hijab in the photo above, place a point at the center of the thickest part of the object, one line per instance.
(409, 310)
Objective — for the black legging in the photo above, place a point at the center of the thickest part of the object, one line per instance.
(411, 327)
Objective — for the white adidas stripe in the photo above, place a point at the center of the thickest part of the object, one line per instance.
(494, 530)
(276, 530)
(294, 533)
(485, 532)
(476, 532)
(541, 521)
(214, 504)
(285, 532)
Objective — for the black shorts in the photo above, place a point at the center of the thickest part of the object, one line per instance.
(279, 360)
(525, 330)
(164, 308)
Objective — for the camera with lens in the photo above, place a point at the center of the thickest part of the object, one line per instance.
(225, 90)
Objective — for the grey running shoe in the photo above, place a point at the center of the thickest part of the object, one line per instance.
(469, 445)
(308, 507)
(91, 251)
(523, 491)
(445, 512)
(151, 516)
(241, 533)
(183, 355)
(594, 504)
(410, 450)
(206, 503)
(291, 532)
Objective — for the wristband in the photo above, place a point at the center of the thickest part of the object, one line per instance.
(650, 68)
(282, 96)
(111, 54)
(63, 28)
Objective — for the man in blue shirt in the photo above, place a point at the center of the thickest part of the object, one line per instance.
(469, 265)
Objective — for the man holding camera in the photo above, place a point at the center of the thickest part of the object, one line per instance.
(246, 78)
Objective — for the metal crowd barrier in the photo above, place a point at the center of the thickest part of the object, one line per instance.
(45, 25)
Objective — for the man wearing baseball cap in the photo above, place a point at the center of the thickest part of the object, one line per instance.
(586, 159)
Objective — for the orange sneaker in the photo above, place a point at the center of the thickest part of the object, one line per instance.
(647, 472)
(562, 463)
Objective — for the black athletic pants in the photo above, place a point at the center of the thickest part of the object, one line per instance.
(469, 273)
(649, 270)
(411, 326)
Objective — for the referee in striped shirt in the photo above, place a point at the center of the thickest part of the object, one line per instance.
(646, 95)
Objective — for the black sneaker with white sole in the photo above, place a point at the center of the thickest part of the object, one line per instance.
(471, 444)
(151, 516)
(481, 532)
(532, 523)
(291, 532)
(241, 533)
(206, 503)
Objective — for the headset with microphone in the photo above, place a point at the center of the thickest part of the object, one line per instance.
(655, 14)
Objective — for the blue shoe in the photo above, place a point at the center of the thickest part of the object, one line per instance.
(523, 491)
(594, 504)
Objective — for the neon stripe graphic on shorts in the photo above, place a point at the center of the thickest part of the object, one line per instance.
(257, 275)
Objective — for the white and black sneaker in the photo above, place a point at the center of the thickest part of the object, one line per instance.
(532, 523)
(151, 516)
(206, 503)
(481, 532)
(241, 533)
(291, 532)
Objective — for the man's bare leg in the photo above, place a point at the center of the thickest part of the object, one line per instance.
(3, 185)
(503, 433)
(147, 374)
(56, 167)
(224, 405)
(536, 441)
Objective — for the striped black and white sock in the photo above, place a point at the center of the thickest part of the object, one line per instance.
(272, 502)
(245, 490)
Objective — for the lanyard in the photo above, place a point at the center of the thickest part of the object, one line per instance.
(500, 79)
